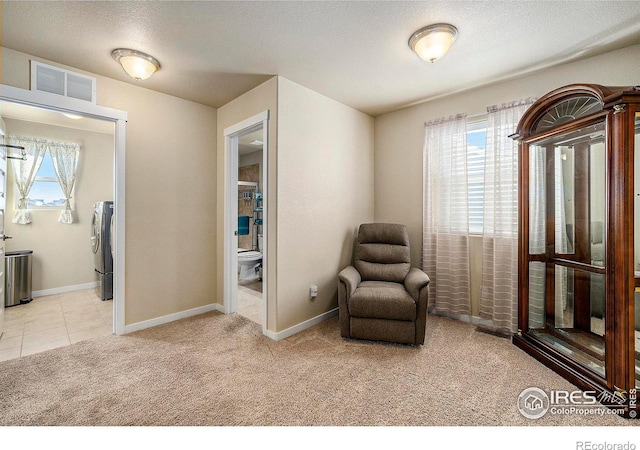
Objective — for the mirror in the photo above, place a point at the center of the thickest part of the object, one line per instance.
(598, 200)
(564, 177)
(537, 272)
(537, 200)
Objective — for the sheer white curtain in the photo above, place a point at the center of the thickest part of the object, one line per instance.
(499, 294)
(445, 255)
(65, 163)
(25, 172)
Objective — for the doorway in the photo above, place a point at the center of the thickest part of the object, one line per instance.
(42, 103)
(61, 306)
(246, 199)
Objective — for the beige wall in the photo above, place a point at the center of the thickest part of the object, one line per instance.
(399, 136)
(61, 253)
(325, 191)
(320, 189)
(170, 192)
(262, 98)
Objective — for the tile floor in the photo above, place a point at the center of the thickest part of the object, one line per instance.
(54, 321)
(63, 319)
(250, 300)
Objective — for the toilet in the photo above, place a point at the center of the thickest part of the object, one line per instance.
(250, 262)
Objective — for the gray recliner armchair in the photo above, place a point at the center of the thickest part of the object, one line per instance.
(380, 297)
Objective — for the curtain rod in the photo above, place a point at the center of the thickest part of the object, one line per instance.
(489, 109)
(512, 104)
(445, 119)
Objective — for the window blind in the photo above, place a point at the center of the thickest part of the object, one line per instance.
(476, 138)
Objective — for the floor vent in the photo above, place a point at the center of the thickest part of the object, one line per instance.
(63, 82)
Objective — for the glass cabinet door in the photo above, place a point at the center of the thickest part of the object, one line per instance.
(567, 239)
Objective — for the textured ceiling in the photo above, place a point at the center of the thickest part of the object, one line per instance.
(353, 52)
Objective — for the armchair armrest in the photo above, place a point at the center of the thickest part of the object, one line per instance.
(351, 278)
(415, 281)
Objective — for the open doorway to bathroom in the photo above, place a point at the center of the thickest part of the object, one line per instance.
(245, 259)
(250, 225)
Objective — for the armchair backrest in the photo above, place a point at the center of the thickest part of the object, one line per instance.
(382, 252)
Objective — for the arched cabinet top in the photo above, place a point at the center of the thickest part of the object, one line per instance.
(569, 103)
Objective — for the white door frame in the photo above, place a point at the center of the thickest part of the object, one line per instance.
(59, 103)
(4, 165)
(230, 261)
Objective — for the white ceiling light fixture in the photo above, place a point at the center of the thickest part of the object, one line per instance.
(137, 64)
(434, 41)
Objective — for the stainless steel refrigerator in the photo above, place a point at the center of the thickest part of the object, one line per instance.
(101, 246)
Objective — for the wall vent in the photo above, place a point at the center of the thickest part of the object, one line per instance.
(58, 81)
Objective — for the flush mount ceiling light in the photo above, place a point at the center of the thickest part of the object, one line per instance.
(137, 64)
(432, 42)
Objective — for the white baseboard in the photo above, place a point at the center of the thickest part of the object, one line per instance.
(280, 335)
(276, 336)
(170, 318)
(64, 289)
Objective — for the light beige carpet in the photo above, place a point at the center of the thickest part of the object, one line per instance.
(219, 370)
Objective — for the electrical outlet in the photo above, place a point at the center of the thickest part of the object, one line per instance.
(313, 291)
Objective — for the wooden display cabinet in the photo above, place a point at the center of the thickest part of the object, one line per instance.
(578, 259)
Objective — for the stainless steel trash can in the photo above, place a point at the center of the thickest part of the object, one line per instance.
(18, 277)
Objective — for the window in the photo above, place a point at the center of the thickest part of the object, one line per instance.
(46, 191)
(476, 139)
